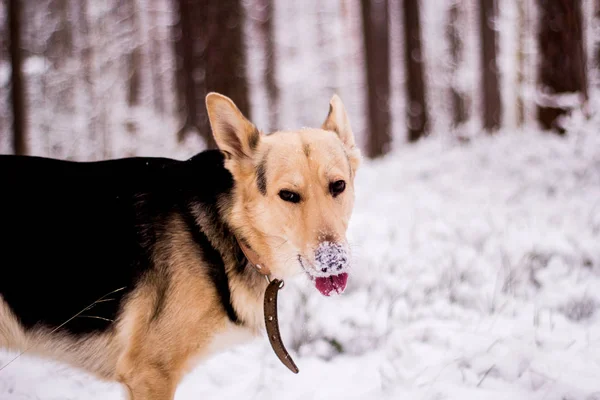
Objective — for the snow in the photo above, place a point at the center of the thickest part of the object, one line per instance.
(475, 263)
(476, 274)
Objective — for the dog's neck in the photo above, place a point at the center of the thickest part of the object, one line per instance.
(246, 284)
(255, 303)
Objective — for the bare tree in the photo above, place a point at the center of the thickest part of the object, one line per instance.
(134, 53)
(455, 20)
(562, 68)
(597, 16)
(266, 25)
(211, 56)
(17, 86)
(521, 37)
(376, 41)
(86, 58)
(188, 108)
(225, 53)
(492, 104)
(416, 109)
(155, 56)
(3, 58)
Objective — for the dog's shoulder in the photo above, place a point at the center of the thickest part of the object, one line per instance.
(76, 231)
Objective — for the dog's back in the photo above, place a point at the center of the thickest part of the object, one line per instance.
(75, 232)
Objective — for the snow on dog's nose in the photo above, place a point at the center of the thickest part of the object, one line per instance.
(331, 262)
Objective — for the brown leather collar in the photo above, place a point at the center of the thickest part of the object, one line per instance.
(270, 307)
(254, 259)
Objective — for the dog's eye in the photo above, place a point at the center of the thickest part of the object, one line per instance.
(337, 187)
(292, 197)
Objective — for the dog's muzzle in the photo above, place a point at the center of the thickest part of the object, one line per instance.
(330, 268)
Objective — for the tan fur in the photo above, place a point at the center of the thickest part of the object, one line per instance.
(150, 356)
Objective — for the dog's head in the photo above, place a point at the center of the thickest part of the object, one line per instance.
(293, 193)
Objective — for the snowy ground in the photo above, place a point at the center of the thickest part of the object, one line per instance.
(476, 276)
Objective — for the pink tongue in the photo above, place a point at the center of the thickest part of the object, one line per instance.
(329, 284)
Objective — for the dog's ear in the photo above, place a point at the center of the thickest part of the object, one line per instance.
(234, 134)
(338, 122)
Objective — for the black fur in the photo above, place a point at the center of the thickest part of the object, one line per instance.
(261, 176)
(73, 232)
(214, 263)
(254, 139)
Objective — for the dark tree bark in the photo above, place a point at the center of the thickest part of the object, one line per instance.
(266, 30)
(562, 67)
(416, 108)
(134, 55)
(225, 53)
(17, 85)
(376, 41)
(455, 19)
(187, 107)
(492, 103)
(154, 50)
(597, 15)
(3, 58)
(210, 57)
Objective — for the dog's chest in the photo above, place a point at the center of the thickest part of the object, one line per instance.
(225, 339)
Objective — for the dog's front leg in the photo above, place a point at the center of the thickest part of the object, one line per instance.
(148, 383)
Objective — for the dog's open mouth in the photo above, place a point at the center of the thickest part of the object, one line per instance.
(330, 284)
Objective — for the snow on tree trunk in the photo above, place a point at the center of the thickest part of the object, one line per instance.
(416, 109)
(492, 104)
(562, 67)
(376, 41)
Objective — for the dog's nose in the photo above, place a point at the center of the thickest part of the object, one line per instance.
(330, 257)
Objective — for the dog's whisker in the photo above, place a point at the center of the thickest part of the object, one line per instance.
(104, 300)
(97, 317)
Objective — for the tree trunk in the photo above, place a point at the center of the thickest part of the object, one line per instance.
(416, 108)
(375, 31)
(134, 55)
(562, 58)
(184, 70)
(225, 53)
(156, 74)
(4, 98)
(597, 15)
(521, 35)
(86, 58)
(459, 109)
(492, 104)
(17, 85)
(210, 57)
(268, 37)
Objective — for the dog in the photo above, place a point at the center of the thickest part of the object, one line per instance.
(134, 269)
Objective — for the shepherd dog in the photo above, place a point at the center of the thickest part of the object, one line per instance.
(134, 269)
